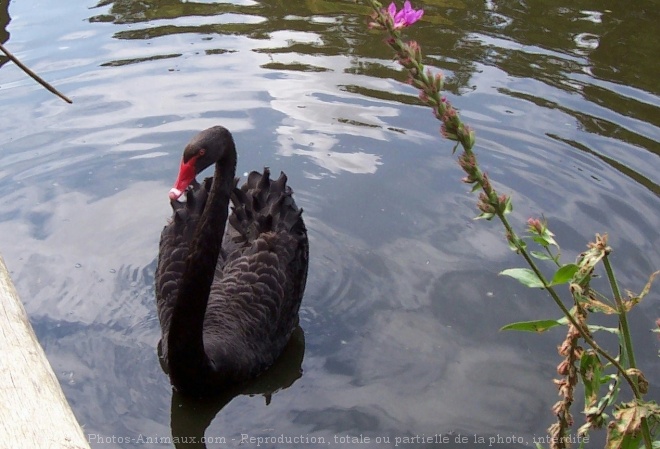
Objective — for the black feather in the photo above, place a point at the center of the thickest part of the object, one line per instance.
(247, 308)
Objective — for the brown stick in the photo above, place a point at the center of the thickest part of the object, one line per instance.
(33, 75)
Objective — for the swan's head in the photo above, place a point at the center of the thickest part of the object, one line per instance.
(206, 148)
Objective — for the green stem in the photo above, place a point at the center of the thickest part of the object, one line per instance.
(623, 320)
(553, 294)
(627, 342)
(646, 432)
(397, 45)
(554, 258)
(417, 72)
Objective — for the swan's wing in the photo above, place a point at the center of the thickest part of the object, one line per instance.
(259, 281)
(253, 308)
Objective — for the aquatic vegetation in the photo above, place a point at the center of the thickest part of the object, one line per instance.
(584, 360)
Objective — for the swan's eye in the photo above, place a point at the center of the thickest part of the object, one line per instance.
(201, 152)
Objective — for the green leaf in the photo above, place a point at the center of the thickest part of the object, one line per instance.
(541, 241)
(612, 390)
(638, 375)
(631, 441)
(590, 372)
(532, 326)
(595, 327)
(583, 431)
(539, 255)
(564, 274)
(545, 239)
(548, 236)
(525, 276)
(624, 432)
(486, 215)
(512, 244)
(508, 206)
(636, 299)
(594, 305)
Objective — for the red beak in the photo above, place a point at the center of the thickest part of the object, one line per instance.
(186, 175)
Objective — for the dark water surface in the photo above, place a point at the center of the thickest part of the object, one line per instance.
(403, 301)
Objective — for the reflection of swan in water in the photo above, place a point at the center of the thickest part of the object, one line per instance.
(192, 416)
(227, 307)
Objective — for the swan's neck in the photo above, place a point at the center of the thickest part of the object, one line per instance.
(187, 358)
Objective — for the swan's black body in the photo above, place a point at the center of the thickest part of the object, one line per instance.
(227, 307)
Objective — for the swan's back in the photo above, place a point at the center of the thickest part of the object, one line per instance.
(260, 278)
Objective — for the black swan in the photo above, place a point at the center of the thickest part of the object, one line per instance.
(227, 306)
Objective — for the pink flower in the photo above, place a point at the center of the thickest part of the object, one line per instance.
(406, 17)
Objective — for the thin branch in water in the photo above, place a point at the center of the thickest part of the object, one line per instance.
(33, 75)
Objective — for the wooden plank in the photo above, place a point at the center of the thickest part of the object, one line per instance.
(33, 410)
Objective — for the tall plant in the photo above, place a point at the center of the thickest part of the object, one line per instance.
(629, 424)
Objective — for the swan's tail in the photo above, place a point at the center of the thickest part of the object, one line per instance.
(262, 205)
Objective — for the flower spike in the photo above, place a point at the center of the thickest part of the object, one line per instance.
(406, 16)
